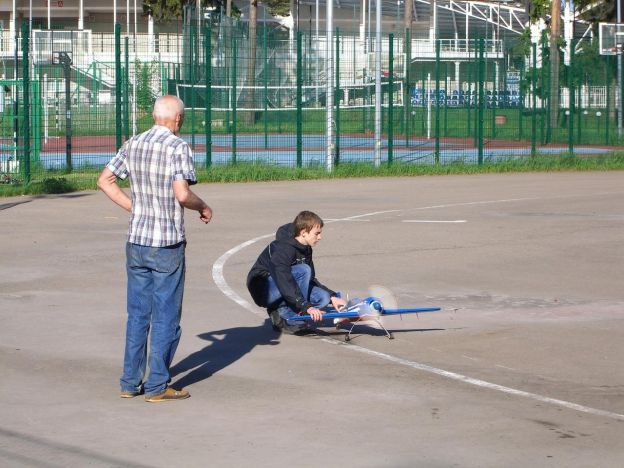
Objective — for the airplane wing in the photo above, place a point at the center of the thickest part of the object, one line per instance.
(327, 315)
(413, 310)
(351, 314)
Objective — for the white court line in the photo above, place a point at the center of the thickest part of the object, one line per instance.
(219, 279)
(485, 202)
(433, 221)
(477, 382)
(217, 267)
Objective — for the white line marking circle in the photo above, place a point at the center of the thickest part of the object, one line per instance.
(433, 221)
(219, 279)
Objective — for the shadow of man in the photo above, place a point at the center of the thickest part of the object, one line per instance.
(226, 346)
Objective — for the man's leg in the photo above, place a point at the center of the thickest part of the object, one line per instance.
(168, 271)
(139, 305)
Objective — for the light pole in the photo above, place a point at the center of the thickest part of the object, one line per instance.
(377, 150)
(619, 44)
(329, 90)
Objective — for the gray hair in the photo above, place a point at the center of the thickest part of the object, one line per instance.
(167, 107)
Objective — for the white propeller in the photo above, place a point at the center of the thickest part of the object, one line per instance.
(385, 296)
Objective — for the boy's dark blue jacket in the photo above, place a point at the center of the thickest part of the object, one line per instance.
(276, 261)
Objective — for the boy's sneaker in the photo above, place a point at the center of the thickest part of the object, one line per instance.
(169, 394)
(276, 320)
(281, 325)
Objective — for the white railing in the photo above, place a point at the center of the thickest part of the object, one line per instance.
(456, 48)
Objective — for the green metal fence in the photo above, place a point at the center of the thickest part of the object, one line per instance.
(75, 98)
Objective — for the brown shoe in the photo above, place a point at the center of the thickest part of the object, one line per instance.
(170, 394)
(129, 393)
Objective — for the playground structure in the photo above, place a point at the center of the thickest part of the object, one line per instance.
(439, 99)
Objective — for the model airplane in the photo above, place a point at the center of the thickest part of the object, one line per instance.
(359, 311)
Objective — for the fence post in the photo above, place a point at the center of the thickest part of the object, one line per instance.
(407, 96)
(446, 98)
(208, 92)
(390, 99)
(26, 99)
(533, 104)
(521, 99)
(366, 103)
(36, 122)
(436, 153)
(543, 95)
(228, 71)
(235, 65)
(279, 101)
(299, 98)
(495, 98)
(127, 91)
(468, 98)
(607, 110)
(265, 99)
(481, 99)
(337, 99)
(571, 101)
(549, 130)
(118, 76)
(192, 75)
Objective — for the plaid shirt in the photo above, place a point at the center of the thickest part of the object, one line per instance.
(153, 160)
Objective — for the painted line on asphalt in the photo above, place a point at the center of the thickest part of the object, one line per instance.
(219, 279)
(477, 382)
(217, 267)
(433, 221)
(485, 202)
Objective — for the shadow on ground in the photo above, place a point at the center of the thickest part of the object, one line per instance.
(226, 347)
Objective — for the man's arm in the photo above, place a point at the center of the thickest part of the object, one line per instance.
(107, 182)
(189, 200)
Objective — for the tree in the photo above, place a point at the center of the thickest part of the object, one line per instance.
(596, 11)
(165, 10)
(593, 11)
(278, 7)
(555, 16)
(145, 95)
(251, 61)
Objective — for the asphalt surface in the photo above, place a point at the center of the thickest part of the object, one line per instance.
(522, 367)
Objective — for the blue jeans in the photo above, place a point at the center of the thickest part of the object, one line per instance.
(155, 290)
(302, 275)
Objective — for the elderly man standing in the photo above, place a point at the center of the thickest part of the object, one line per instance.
(160, 166)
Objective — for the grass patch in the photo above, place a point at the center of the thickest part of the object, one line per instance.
(259, 172)
(248, 172)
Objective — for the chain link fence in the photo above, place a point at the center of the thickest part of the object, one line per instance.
(68, 99)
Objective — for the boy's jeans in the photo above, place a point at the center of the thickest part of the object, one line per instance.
(302, 275)
(155, 290)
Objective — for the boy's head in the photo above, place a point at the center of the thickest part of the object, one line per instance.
(308, 227)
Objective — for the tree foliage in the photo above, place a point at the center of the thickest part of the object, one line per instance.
(145, 95)
(593, 11)
(537, 9)
(164, 10)
(279, 7)
(600, 11)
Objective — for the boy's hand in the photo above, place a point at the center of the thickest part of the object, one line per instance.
(315, 313)
(338, 302)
